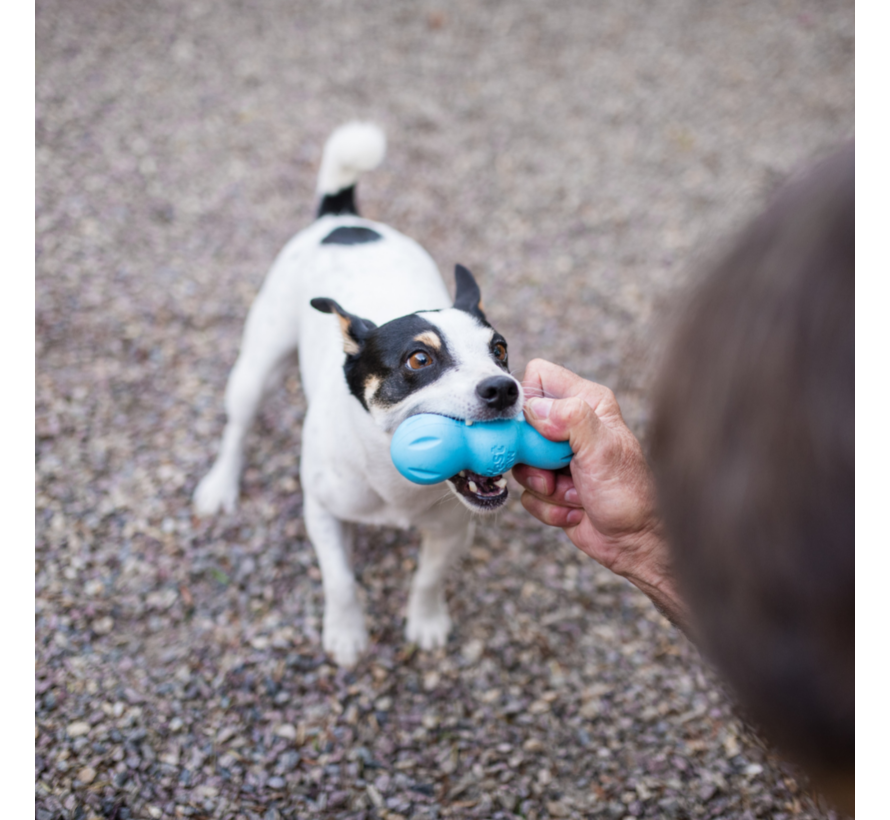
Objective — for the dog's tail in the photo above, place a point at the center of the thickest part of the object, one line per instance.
(350, 150)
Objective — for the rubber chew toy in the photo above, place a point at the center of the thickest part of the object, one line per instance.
(427, 448)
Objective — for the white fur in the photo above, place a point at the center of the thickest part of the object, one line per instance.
(350, 150)
(346, 472)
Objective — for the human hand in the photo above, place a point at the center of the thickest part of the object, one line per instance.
(606, 502)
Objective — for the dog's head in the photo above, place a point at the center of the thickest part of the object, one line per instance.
(451, 362)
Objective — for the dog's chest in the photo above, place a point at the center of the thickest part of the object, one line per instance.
(346, 465)
(381, 499)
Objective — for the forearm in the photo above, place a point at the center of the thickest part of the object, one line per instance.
(667, 600)
(652, 572)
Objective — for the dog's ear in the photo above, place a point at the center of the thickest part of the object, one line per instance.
(467, 295)
(355, 330)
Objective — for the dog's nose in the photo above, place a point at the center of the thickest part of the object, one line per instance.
(498, 392)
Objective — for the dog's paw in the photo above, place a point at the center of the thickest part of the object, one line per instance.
(344, 636)
(429, 629)
(218, 490)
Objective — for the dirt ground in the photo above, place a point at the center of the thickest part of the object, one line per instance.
(582, 159)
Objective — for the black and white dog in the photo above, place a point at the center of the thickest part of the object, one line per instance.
(413, 351)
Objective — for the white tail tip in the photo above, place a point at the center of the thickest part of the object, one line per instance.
(350, 150)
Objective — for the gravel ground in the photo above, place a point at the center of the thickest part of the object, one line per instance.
(579, 157)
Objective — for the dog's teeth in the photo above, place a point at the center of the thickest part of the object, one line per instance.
(463, 473)
(501, 482)
(469, 423)
(473, 487)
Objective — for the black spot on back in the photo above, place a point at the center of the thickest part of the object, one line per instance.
(343, 202)
(351, 235)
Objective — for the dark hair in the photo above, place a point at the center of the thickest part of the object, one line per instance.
(753, 451)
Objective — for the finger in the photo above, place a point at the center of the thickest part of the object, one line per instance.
(540, 482)
(557, 488)
(548, 380)
(552, 514)
(543, 378)
(565, 491)
(571, 420)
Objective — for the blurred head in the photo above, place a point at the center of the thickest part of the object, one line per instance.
(753, 450)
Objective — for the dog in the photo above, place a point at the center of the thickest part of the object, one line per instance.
(408, 349)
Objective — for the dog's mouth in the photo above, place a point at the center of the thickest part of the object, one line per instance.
(480, 491)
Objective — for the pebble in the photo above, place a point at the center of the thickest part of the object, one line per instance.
(86, 775)
(287, 731)
(103, 626)
(78, 728)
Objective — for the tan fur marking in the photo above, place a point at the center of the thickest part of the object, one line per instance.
(429, 338)
(349, 345)
(371, 385)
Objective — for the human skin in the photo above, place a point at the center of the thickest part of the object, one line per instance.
(605, 502)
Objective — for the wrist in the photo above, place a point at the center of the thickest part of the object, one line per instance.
(654, 577)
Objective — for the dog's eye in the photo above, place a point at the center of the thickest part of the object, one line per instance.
(500, 351)
(419, 359)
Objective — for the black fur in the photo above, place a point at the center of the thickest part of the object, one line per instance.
(351, 235)
(467, 295)
(359, 329)
(343, 202)
(384, 355)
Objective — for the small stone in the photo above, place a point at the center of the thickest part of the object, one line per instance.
(86, 775)
(94, 588)
(375, 796)
(226, 733)
(275, 782)
(102, 626)
(473, 650)
(286, 730)
(383, 704)
(78, 728)
(337, 799)
(707, 792)
(288, 761)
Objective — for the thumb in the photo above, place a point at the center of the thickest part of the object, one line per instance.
(569, 419)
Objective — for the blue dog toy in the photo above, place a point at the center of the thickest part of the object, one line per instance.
(427, 448)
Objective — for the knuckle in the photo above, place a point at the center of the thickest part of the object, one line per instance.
(574, 412)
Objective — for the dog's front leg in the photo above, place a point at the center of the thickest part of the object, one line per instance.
(428, 622)
(344, 636)
(249, 383)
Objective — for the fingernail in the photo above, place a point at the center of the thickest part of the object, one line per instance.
(572, 496)
(574, 517)
(537, 484)
(539, 408)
